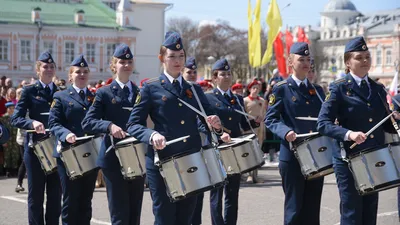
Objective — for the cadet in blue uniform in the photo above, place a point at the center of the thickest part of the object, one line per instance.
(296, 97)
(358, 103)
(224, 103)
(36, 99)
(68, 109)
(397, 108)
(108, 115)
(172, 119)
(4, 134)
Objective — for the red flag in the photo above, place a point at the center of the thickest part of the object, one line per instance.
(279, 55)
(301, 36)
(289, 41)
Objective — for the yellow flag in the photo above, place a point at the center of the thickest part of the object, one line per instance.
(249, 33)
(256, 38)
(274, 21)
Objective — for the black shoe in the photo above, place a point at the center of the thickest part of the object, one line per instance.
(19, 188)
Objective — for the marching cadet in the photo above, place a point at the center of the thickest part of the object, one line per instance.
(109, 114)
(296, 97)
(224, 103)
(67, 111)
(358, 103)
(190, 70)
(159, 99)
(255, 106)
(36, 99)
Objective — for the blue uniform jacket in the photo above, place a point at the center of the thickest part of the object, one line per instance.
(33, 101)
(67, 113)
(171, 118)
(355, 112)
(225, 109)
(287, 102)
(107, 108)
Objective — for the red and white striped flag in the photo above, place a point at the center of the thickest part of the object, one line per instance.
(393, 89)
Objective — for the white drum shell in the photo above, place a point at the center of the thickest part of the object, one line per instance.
(191, 174)
(44, 151)
(376, 170)
(315, 156)
(241, 157)
(81, 159)
(132, 158)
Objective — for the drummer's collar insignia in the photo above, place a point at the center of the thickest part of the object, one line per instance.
(138, 98)
(53, 103)
(217, 104)
(90, 98)
(164, 98)
(113, 101)
(272, 99)
(328, 96)
(114, 87)
(162, 81)
(70, 92)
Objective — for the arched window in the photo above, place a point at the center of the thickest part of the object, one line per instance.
(344, 33)
(378, 58)
(388, 57)
(336, 21)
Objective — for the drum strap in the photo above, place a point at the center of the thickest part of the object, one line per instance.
(213, 135)
(247, 118)
(316, 91)
(343, 152)
(394, 123)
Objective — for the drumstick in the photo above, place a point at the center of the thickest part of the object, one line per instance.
(374, 128)
(45, 114)
(31, 131)
(176, 140)
(306, 135)
(307, 118)
(193, 108)
(240, 139)
(226, 130)
(245, 114)
(83, 138)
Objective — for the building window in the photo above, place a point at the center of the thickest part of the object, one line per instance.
(91, 52)
(344, 33)
(110, 51)
(69, 52)
(331, 35)
(49, 46)
(26, 50)
(378, 57)
(336, 21)
(325, 35)
(340, 62)
(3, 50)
(337, 34)
(388, 57)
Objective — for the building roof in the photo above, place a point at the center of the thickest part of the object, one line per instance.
(339, 5)
(97, 14)
(379, 22)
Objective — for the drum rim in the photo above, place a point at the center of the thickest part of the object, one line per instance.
(198, 191)
(372, 149)
(45, 137)
(66, 148)
(223, 148)
(178, 155)
(310, 138)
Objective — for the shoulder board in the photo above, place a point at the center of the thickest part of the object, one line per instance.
(342, 80)
(209, 92)
(280, 83)
(152, 80)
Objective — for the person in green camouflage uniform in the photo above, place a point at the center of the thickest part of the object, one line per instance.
(12, 157)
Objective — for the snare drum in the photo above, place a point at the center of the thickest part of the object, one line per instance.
(390, 138)
(314, 155)
(43, 149)
(188, 174)
(131, 156)
(80, 157)
(241, 156)
(376, 169)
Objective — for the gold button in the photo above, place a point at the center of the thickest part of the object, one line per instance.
(311, 131)
(307, 102)
(371, 136)
(370, 120)
(368, 104)
(182, 122)
(184, 140)
(180, 104)
(229, 107)
(84, 108)
(230, 118)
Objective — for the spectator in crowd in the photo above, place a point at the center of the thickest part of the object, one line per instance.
(8, 83)
(11, 95)
(276, 76)
(33, 80)
(3, 81)
(237, 89)
(10, 148)
(62, 84)
(3, 102)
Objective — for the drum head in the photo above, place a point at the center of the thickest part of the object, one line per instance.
(127, 141)
(367, 150)
(237, 142)
(308, 139)
(79, 143)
